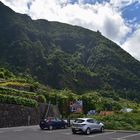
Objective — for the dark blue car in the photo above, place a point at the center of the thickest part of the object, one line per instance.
(53, 123)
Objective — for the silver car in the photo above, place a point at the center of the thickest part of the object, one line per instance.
(86, 125)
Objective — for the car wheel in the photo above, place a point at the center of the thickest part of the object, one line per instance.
(73, 131)
(102, 129)
(88, 131)
(42, 127)
(65, 126)
(50, 127)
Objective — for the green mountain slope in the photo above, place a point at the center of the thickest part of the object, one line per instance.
(65, 56)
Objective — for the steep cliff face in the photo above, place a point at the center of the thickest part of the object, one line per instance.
(65, 56)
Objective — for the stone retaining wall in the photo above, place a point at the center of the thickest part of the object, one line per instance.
(17, 115)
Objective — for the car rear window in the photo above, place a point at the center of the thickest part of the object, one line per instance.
(79, 120)
(90, 121)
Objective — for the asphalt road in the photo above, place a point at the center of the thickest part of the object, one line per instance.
(34, 133)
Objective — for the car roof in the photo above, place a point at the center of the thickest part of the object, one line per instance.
(84, 118)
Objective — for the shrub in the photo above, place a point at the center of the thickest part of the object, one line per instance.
(76, 115)
(18, 100)
(124, 121)
(40, 98)
(30, 95)
(2, 75)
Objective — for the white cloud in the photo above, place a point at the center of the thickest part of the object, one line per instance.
(132, 44)
(95, 17)
(18, 5)
(122, 3)
(103, 17)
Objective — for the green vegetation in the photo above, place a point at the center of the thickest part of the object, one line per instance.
(121, 121)
(91, 101)
(13, 90)
(5, 74)
(64, 56)
(14, 83)
(30, 95)
(16, 90)
(18, 100)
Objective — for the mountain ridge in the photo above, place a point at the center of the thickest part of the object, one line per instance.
(65, 56)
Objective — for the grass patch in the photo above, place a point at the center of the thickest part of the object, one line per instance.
(30, 95)
(121, 121)
(18, 100)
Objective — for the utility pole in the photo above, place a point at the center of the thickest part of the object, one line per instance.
(48, 109)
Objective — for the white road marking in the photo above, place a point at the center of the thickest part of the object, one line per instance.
(102, 134)
(18, 130)
(66, 133)
(48, 131)
(128, 136)
(117, 139)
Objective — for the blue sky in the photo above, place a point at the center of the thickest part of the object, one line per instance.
(132, 12)
(118, 20)
(87, 1)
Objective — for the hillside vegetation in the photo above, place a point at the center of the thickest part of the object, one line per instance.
(26, 92)
(64, 56)
(17, 90)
